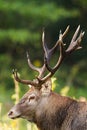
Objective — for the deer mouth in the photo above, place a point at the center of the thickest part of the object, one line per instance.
(15, 117)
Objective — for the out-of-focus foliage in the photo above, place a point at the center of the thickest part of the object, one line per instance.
(21, 25)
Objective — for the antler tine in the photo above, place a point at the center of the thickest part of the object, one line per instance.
(65, 32)
(75, 34)
(61, 37)
(48, 52)
(75, 43)
(39, 70)
(80, 39)
(27, 82)
(45, 48)
(30, 64)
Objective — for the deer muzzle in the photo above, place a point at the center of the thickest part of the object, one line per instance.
(13, 113)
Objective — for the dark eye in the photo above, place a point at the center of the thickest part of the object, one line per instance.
(31, 97)
(22, 101)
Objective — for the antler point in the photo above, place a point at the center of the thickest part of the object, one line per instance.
(43, 35)
(78, 27)
(68, 26)
(60, 32)
(27, 54)
(13, 71)
(83, 33)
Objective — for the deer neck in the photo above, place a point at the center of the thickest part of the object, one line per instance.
(51, 117)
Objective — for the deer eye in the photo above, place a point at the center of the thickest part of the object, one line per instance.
(22, 101)
(31, 97)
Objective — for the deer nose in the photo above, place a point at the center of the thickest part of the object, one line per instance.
(10, 113)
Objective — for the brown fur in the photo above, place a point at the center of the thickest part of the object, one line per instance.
(52, 111)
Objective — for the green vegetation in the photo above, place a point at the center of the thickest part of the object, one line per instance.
(21, 24)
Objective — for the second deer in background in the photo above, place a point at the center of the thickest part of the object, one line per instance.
(40, 105)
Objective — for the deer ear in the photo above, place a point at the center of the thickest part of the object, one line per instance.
(46, 87)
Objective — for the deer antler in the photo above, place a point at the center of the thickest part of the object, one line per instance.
(47, 53)
(74, 45)
(27, 82)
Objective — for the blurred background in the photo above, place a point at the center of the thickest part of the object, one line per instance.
(21, 25)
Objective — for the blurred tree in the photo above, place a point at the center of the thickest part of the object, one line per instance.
(21, 23)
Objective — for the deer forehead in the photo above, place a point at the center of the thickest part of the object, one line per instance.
(31, 92)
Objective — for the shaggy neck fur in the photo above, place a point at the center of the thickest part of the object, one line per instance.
(53, 120)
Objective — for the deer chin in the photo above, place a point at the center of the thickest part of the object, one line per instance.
(15, 117)
(30, 119)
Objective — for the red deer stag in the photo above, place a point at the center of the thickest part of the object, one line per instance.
(40, 105)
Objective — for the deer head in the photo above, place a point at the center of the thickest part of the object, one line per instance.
(35, 101)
